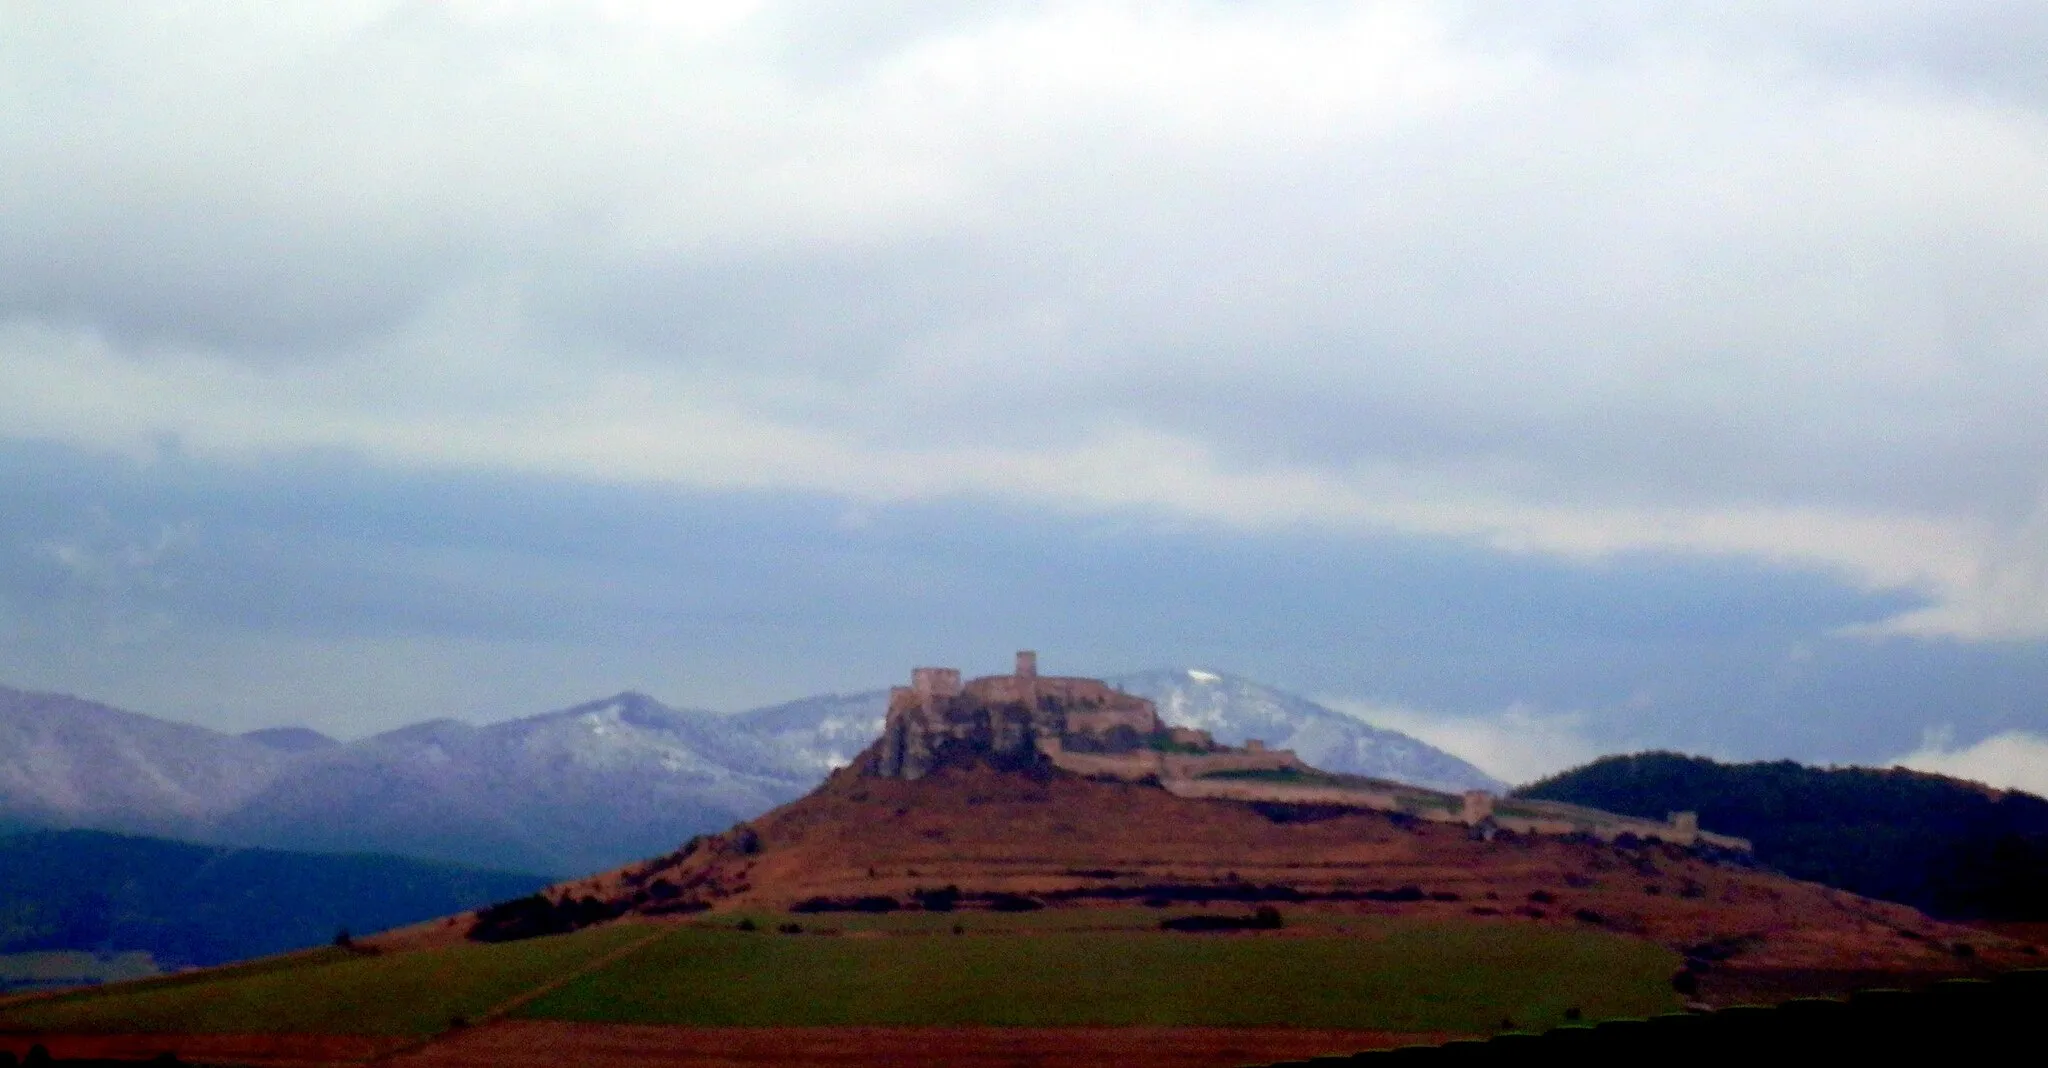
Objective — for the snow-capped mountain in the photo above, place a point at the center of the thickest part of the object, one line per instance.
(582, 789)
(1235, 709)
(563, 793)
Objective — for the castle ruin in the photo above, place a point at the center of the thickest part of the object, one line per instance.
(1085, 727)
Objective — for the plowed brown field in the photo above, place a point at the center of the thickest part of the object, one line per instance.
(546, 1044)
(264, 1051)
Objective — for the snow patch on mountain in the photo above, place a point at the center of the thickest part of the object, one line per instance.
(1236, 710)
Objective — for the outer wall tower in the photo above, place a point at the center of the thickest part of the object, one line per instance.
(1027, 664)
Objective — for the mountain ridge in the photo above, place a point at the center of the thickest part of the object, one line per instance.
(562, 792)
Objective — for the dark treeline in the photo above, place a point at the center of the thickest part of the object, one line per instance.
(1951, 848)
(189, 904)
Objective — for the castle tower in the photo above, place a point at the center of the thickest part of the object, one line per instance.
(1027, 664)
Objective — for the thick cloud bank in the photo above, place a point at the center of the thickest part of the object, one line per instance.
(1600, 287)
(1553, 277)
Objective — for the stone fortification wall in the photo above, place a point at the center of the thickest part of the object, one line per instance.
(1151, 763)
(1143, 721)
(1196, 765)
(1475, 808)
(1301, 794)
(1085, 727)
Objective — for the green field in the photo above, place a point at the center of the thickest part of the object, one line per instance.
(1020, 970)
(1414, 977)
(327, 992)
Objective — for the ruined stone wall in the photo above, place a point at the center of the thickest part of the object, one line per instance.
(1144, 763)
(1093, 720)
(1290, 793)
(935, 681)
(1128, 767)
(1189, 765)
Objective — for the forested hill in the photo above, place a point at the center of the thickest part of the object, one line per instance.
(1952, 848)
(189, 904)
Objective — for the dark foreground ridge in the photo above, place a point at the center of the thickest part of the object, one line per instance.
(1950, 1022)
(1955, 849)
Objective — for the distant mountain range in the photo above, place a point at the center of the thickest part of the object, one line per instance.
(186, 904)
(562, 793)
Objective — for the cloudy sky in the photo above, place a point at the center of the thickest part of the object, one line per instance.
(1543, 378)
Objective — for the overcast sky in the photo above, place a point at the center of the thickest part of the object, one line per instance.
(1542, 378)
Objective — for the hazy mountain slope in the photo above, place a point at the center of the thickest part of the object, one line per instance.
(189, 904)
(562, 793)
(1235, 709)
(565, 792)
(67, 762)
(291, 739)
(814, 735)
(1953, 848)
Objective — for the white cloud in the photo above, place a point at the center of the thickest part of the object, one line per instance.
(1431, 268)
(2012, 760)
(1518, 744)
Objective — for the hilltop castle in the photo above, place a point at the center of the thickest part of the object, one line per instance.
(1086, 727)
(1079, 725)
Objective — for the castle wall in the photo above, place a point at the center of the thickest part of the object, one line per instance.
(1128, 767)
(1306, 794)
(1142, 720)
(1166, 766)
(935, 681)
(1188, 765)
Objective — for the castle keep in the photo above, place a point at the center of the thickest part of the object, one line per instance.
(1085, 727)
(1080, 725)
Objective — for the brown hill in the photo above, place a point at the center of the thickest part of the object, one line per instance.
(1020, 792)
(975, 837)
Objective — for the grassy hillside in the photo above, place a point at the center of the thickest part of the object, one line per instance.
(1385, 974)
(187, 904)
(1951, 848)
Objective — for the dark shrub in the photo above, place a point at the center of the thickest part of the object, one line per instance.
(1543, 897)
(942, 900)
(1265, 919)
(1014, 903)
